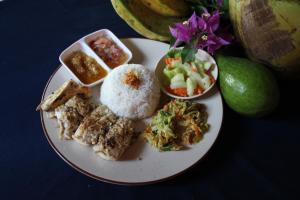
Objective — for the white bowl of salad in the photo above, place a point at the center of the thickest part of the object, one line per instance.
(186, 80)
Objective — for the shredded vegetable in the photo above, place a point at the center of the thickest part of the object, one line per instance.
(178, 124)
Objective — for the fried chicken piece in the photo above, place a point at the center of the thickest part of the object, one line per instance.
(63, 94)
(95, 126)
(70, 115)
(116, 141)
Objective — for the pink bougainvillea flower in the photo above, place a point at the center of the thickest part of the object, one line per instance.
(184, 32)
(214, 21)
(204, 29)
(181, 32)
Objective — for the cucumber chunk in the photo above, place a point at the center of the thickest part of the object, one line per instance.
(178, 84)
(169, 73)
(191, 86)
(207, 65)
(178, 77)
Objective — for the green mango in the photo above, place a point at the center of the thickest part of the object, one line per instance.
(247, 87)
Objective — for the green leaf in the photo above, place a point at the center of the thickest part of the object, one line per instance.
(167, 147)
(198, 5)
(173, 53)
(194, 41)
(188, 54)
(154, 132)
(165, 113)
(172, 41)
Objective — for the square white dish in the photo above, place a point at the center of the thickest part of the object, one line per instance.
(83, 45)
(108, 34)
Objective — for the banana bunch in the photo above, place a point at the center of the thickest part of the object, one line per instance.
(173, 8)
(152, 18)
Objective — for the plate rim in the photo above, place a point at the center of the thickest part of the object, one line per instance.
(95, 177)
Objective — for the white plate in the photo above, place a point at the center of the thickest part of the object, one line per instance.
(141, 164)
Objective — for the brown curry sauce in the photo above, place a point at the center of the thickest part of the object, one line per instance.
(85, 67)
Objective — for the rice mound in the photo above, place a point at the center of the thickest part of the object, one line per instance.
(124, 100)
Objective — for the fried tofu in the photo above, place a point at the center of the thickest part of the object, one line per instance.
(63, 94)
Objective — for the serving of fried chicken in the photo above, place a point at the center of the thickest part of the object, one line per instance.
(86, 123)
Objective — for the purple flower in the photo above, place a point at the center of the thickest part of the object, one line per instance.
(209, 39)
(192, 23)
(181, 32)
(214, 21)
(212, 42)
(184, 32)
(203, 28)
(202, 24)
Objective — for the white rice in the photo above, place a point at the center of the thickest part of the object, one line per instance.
(126, 101)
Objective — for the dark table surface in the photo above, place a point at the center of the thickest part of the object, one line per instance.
(252, 158)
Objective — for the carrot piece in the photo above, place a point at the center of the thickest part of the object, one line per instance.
(169, 61)
(198, 90)
(212, 79)
(178, 91)
(168, 89)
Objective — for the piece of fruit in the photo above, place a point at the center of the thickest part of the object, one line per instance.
(174, 8)
(269, 30)
(143, 20)
(248, 88)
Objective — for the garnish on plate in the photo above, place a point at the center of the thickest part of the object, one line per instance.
(131, 78)
(178, 124)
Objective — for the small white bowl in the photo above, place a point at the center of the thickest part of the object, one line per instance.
(108, 34)
(83, 45)
(80, 46)
(200, 55)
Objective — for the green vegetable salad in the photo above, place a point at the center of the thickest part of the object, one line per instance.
(178, 124)
(186, 79)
